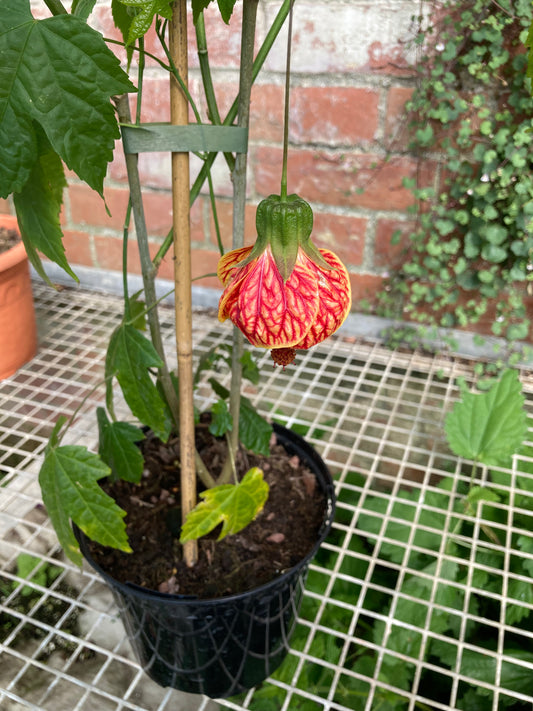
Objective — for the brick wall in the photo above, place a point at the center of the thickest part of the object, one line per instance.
(351, 75)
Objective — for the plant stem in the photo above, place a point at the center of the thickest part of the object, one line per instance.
(56, 7)
(283, 192)
(179, 116)
(239, 205)
(207, 81)
(147, 270)
(231, 115)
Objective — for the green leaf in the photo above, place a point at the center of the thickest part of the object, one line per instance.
(83, 8)
(250, 371)
(254, 431)
(118, 447)
(221, 421)
(58, 73)
(489, 427)
(142, 21)
(232, 505)
(26, 564)
(514, 677)
(130, 355)
(38, 205)
(68, 480)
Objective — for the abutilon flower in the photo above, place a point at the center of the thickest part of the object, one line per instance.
(284, 293)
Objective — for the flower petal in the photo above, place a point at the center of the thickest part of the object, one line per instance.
(335, 298)
(272, 314)
(229, 261)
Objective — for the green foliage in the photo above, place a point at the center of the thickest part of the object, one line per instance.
(129, 357)
(420, 613)
(489, 427)
(69, 484)
(144, 12)
(225, 7)
(118, 447)
(232, 505)
(472, 111)
(51, 71)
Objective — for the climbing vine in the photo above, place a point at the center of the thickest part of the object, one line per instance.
(470, 254)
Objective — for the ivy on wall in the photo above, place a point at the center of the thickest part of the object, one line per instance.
(470, 255)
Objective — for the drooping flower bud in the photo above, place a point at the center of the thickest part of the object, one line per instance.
(284, 293)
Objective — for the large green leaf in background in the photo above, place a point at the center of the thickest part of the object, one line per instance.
(489, 427)
(38, 204)
(69, 484)
(59, 73)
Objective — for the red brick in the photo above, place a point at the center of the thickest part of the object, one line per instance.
(158, 212)
(225, 220)
(88, 208)
(266, 113)
(78, 248)
(355, 180)
(389, 255)
(333, 115)
(204, 262)
(109, 254)
(341, 234)
(365, 287)
(396, 128)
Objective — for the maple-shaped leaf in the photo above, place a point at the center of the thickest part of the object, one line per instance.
(232, 505)
(142, 20)
(69, 484)
(130, 356)
(489, 427)
(57, 73)
(118, 447)
(38, 206)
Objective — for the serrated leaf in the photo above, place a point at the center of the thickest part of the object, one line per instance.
(129, 357)
(254, 431)
(118, 447)
(59, 73)
(232, 505)
(68, 480)
(221, 420)
(489, 427)
(38, 205)
(142, 21)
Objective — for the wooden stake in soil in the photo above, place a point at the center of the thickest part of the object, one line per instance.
(179, 112)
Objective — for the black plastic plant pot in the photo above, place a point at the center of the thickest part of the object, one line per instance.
(223, 646)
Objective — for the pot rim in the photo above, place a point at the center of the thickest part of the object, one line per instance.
(130, 589)
(15, 254)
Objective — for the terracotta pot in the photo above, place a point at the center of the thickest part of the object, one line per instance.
(18, 332)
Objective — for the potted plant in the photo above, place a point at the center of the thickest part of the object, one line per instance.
(18, 330)
(282, 293)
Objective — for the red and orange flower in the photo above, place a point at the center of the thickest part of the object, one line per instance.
(284, 293)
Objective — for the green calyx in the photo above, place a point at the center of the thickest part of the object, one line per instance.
(285, 225)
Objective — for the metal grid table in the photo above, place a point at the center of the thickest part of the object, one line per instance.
(377, 418)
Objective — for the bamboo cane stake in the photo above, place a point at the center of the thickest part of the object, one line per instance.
(179, 111)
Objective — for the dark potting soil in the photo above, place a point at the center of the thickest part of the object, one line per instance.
(8, 239)
(282, 534)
